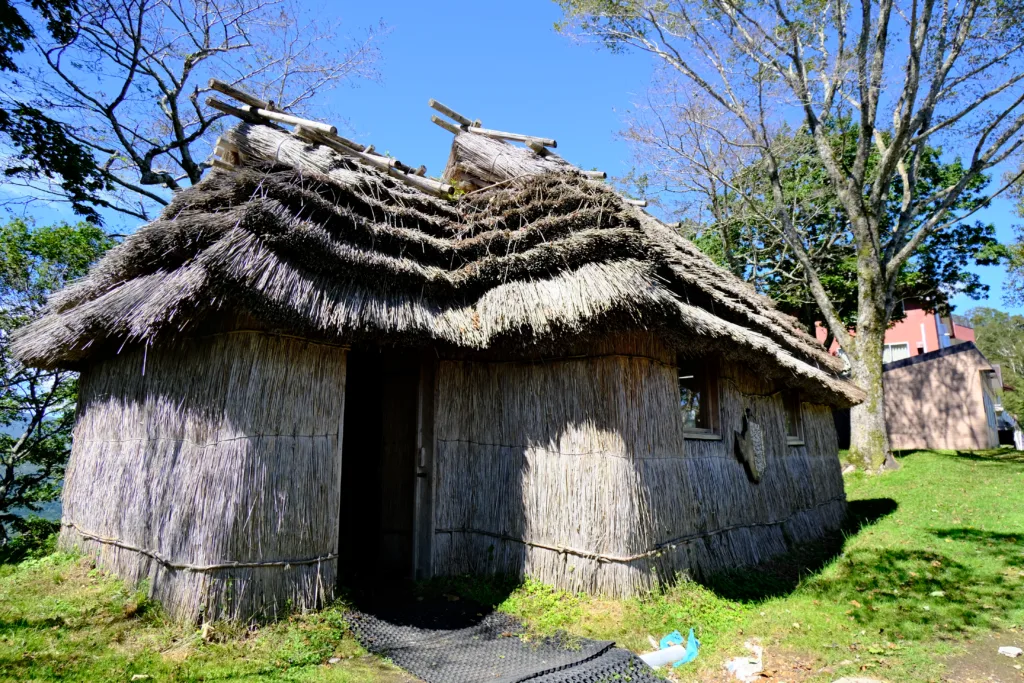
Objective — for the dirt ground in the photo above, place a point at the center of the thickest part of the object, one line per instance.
(979, 663)
(982, 661)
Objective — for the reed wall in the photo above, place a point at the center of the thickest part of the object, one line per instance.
(576, 471)
(212, 470)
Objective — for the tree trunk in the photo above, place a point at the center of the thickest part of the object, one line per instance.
(869, 440)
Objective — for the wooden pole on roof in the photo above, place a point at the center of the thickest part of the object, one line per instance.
(543, 151)
(243, 114)
(454, 130)
(474, 127)
(540, 149)
(518, 137)
(257, 107)
(450, 113)
(275, 116)
(354, 145)
(240, 95)
(255, 110)
(394, 168)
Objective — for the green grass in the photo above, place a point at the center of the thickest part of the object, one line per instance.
(932, 557)
(62, 620)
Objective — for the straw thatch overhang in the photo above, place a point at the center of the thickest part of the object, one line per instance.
(304, 237)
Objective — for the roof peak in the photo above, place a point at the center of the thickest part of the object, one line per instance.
(485, 148)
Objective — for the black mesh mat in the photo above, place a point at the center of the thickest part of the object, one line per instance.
(455, 643)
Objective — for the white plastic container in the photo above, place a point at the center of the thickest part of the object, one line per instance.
(660, 658)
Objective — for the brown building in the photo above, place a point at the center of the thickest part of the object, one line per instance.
(944, 399)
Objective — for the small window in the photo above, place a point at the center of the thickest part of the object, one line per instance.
(894, 352)
(990, 411)
(794, 423)
(698, 398)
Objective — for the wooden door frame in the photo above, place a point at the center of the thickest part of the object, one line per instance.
(426, 475)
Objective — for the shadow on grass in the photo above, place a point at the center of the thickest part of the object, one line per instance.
(1008, 548)
(781, 575)
(906, 592)
(8, 627)
(995, 455)
(925, 590)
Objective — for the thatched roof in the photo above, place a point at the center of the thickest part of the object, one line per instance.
(310, 239)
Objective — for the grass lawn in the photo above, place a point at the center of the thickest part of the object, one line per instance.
(927, 580)
(933, 558)
(62, 620)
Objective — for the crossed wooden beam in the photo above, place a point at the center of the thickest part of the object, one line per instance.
(254, 110)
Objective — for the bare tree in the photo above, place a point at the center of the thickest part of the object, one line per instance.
(908, 74)
(129, 85)
(694, 156)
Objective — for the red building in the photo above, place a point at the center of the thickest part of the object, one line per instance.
(920, 331)
(940, 392)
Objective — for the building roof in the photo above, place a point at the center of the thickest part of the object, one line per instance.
(962, 347)
(322, 240)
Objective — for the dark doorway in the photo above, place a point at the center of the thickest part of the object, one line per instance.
(841, 417)
(378, 467)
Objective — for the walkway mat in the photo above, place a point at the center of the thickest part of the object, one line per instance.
(456, 643)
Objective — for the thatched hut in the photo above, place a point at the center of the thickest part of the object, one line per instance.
(310, 364)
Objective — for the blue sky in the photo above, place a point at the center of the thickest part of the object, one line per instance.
(502, 61)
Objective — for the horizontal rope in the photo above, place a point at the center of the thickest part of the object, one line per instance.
(193, 567)
(197, 444)
(551, 360)
(344, 346)
(717, 441)
(622, 559)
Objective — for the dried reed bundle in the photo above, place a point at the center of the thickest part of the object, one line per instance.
(484, 161)
(577, 472)
(211, 470)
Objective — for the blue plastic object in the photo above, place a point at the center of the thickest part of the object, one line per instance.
(676, 638)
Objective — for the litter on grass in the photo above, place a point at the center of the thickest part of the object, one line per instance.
(1010, 651)
(672, 651)
(747, 669)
